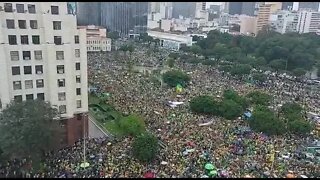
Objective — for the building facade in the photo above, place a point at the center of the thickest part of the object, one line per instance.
(265, 10)
(171, 41)
(43, 56)
(97, 40)
(185, 9)
(314, 6)
(308, 21)
(284, 21)
(248, 24)
(88, 13)
(287, 6)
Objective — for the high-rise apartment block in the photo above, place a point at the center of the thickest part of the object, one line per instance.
(43, 56)
(314, 6)
(265, 10)
(303, 21)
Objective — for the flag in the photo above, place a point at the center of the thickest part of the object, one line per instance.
(178, 88)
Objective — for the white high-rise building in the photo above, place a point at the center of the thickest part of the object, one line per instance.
(43, 55)
(284, 21)
(308, 21)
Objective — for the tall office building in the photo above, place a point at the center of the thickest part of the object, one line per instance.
(139, 17)
(284, 21)
(250, 8)
(235, 8)
(287, 5)
(88, 13)
(308, 21)
(43, 56)
(185, 9)
(309, 5)
(265, 10)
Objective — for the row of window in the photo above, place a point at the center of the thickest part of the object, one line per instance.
(98, 42)
(36, 39)
(20, 8)
(24, 39)
(17, 85)
(28, 84)
(62, 95)
(29, 97)
(31, 8)
(96, 48)
(26, 55)
(38, 69)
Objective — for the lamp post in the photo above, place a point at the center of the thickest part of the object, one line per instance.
(84, 164)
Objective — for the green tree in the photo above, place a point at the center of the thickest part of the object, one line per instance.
(240, 70)
(264, 120)
(170, 62)
(204, 104)
(289, 109)
(195, 49)
(132, 125)
(174, 77)
(230, 94)
(229, 109)
(259, 98)
(145, 147)
(278, 64)
(259, 77)
(299, 72)
(299, 127)
(29, 128)
(113, 35)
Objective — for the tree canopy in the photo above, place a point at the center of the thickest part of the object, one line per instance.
(145, 147)
(132, 125)
(204, 104)
(29, 128)
(259, 98)
(291, 51)
(174, 77)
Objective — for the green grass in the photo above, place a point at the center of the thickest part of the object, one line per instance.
(110, 125)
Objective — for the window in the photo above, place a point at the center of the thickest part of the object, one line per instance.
(16, 85)
(28, 84)
(27, 69)
(33, 24)
(63, 109)
(60, 69)
(61, 83)
(40, 96)
(18, 98)
(24, 39)
(56, 25)
(29, 97)
(39, 83)
(78, 103)
(39, 69)
(36, 39)
(15, 70)
(78, 79)
(78, 66)
(57, 40)
(8, 7)
(77, 52)
(31, 8)
(26, 55)
(61, 96)
(10, 23)
(78, 91)
(12, 39)
(60, 55)
(38, 55)
(55, 10)
(22, 24)
(20, 8)
(14, 55)
(76, 39)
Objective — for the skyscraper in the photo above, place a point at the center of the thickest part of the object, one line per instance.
(287, 5)
(309, 5)
(46, 59)
(89, 13)
(185, 9)
(235, 8)
(249, 8)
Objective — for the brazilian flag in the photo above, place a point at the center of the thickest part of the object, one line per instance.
(178, 88)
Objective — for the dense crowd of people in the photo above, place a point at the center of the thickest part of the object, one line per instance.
(188, 146)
